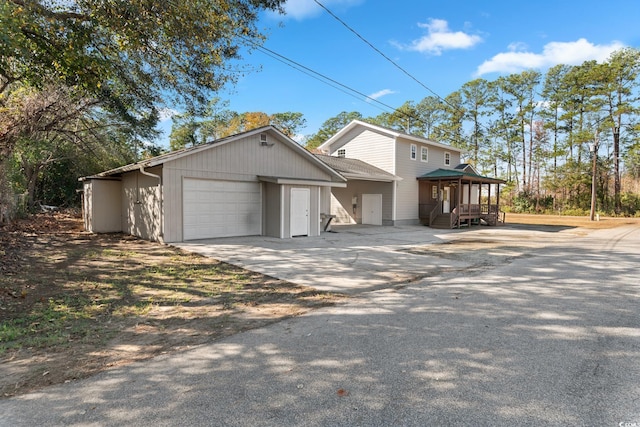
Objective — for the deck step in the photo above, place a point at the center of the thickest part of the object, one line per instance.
(441, 221)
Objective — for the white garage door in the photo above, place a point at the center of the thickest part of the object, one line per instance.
(221, 209)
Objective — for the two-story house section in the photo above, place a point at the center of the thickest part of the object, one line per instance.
(404, 156)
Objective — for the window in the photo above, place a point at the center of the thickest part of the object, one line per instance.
(342, 152)
(424, 154)
(434, 192)
(447, 159)
(414, 151)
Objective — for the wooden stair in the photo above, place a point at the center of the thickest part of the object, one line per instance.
(442, 221)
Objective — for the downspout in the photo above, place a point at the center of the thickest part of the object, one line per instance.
(159, 178)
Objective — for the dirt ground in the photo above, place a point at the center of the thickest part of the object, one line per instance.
(569, 221)
(73, 303)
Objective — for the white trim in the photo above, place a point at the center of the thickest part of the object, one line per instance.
(357, 177)
(282, 236)
(394, 201)
(294, 181)
(327, 144)
(424, 149)
(413, 151)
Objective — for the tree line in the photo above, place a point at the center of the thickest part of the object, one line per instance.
(82, 83)
(82, 86)
(539, 132)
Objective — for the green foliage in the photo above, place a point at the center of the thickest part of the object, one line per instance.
(631, 203)
(330, 127)
(216, 121)
(127, 56)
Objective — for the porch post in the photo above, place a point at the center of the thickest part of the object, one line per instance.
(459, 199)
(498, 202)
(469, 199)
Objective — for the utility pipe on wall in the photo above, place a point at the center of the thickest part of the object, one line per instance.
(159, 178)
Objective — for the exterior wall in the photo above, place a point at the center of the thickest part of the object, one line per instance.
(407, 211)
(102, 206)
(368, 146)
(241, 160)
(342, 206)
(141, 205)
(392, 156)
(271, 202)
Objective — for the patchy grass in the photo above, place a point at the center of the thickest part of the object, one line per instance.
(569, 221)
(73, 304)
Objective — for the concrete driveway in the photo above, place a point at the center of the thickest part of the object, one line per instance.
(549, 335)
(357, 258)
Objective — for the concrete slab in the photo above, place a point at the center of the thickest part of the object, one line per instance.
(353, 258)
(350, 259)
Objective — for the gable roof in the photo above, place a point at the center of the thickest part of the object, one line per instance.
(386, 131)
(174, 155)
(441, 173)
(357, 169)
(467, 167)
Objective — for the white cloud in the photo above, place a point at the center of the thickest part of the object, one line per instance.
(302, 9)
(380, 94)
(439, 38)
(570, 53)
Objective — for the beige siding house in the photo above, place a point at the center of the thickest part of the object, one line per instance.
(257, 183)
(406, 157)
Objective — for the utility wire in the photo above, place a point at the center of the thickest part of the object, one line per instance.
(319, 76)
(411, 76)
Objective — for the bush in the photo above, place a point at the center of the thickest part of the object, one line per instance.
(575, 212)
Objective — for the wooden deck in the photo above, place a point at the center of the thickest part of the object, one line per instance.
(464, 215)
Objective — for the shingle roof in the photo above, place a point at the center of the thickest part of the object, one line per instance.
(357, 169)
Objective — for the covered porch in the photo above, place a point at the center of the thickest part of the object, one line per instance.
(453, 198)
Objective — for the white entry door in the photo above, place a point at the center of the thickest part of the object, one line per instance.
(372, 209)
(446, 200)
(300, 206)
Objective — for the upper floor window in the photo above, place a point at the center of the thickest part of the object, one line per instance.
(447, 158)
(424, 154)
(414, 151)
(342, 152)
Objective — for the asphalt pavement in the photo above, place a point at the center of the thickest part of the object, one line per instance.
(545, 332)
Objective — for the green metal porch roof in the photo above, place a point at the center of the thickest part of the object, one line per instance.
(451, 174)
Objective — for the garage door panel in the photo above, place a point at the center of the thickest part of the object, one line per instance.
(221, 209)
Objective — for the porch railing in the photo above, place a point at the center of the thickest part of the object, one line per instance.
(454, 218)
(469, 210)
(437, 210)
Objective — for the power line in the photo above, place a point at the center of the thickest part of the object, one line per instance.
(411, 76)
(319, 76)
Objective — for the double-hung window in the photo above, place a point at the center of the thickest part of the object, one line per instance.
(424, 154)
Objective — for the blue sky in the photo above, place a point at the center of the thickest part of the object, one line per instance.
(442, 44)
